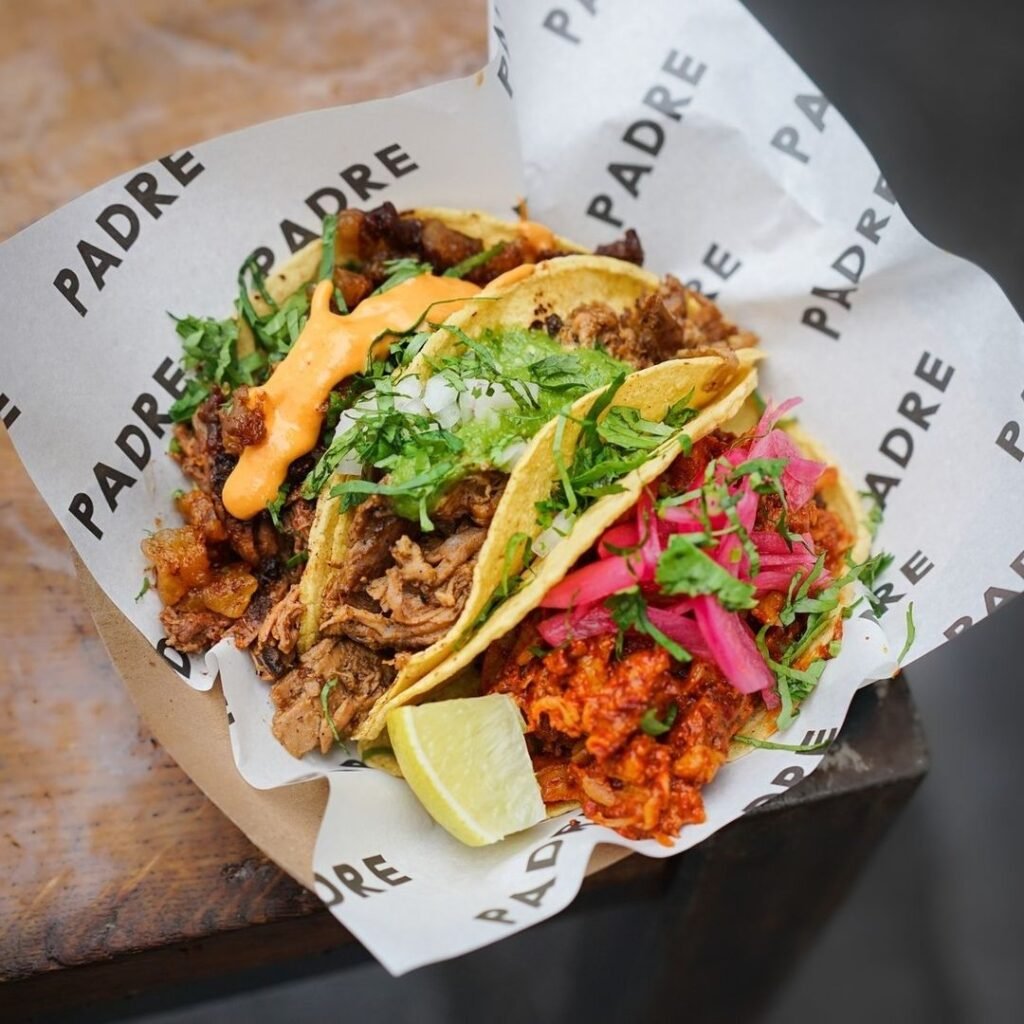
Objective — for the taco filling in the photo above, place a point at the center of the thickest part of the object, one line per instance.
(333, 385)
(701, 618)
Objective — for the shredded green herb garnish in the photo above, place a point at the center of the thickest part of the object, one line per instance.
(911, 634)
(629, 611)
(144, 589)
(276, 505)
(684, 569)
(470, 263)
(400, 271)
(325, 692)
(794, 748)
(299, 558)
(653, 725)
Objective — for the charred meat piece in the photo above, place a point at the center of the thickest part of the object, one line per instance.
(354, 677)
(474, 497)
(627, 248)
(195, 630)
(443, 247)
(242, 421)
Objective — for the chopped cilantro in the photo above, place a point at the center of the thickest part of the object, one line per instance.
(629, 611)
(911, 634)
(144, 589)
(174, 446)
(400, 271)
(325, 692)
(330, 233)
(470, 263)
(684, 569)
(875, 511)
(276, 506)
(299, 558)
(518, 549)
(653, 725)
(795, 748)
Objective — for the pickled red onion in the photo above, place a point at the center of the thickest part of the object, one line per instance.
(732, 647)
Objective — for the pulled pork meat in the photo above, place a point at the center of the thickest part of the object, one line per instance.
(672, 323)
(584, 707)
(340, 674)
(400, 590)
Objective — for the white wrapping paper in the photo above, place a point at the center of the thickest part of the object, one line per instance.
(681, 119)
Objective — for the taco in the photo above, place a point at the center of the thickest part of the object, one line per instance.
(689, 630)
(369, 438)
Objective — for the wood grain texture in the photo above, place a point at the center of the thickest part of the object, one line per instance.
(106, 846)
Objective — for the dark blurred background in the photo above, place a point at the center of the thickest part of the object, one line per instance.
(932, 930)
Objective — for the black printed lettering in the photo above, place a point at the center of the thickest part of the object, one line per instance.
(384, 871)
(178, 165)
(812, 738)
(263, 258)
(648, 136)
(178, 660)
(884, 596)
(557, 21)
(534, 897)
(995, 596)
(396, 161)
(870, 226)
(934, 374)
(961, 625)
(816, 318)
(544, 856)
(629, 175)
(353, 880)
(171, 377)
(82, 509)
(912, 406)
(134, 445)
(720, 266)
(684, 69)
(335, 896)
(125, 233)
(67, 283)
(600, 208)
(296, 236)
(660, 99)
(883, 191)
(898, 445)
(759, 802)
(1017, 565)
(916, 567)
(359, 178)
(814, 107)
(112, 482)
(789, 776)
(315, 201)
(503, 75)
(850, 263)
(787, 140)
(143, 189)
(837, 295)
(97, 261)
(880, 486)
(1008, 438)
(497, 914)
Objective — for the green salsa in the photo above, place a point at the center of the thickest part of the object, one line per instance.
(530, 374)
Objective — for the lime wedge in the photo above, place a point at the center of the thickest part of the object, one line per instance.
(467, 762)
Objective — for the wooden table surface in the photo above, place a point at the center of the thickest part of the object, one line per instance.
(106, 847)
(109, 855)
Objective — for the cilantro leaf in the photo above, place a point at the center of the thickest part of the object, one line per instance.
(400, 271)
(911, 634)
(146, 584)
(653, 725)
(470, 263)
(629, 611)
(325, 692)
(684, 569)
(276, 505)
(794, 748)
(330, 234)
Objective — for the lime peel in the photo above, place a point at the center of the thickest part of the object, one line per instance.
(466, 760)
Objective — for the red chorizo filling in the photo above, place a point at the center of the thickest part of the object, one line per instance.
(717, 598)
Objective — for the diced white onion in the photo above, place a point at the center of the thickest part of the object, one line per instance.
(507, 458)
(556, 532)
